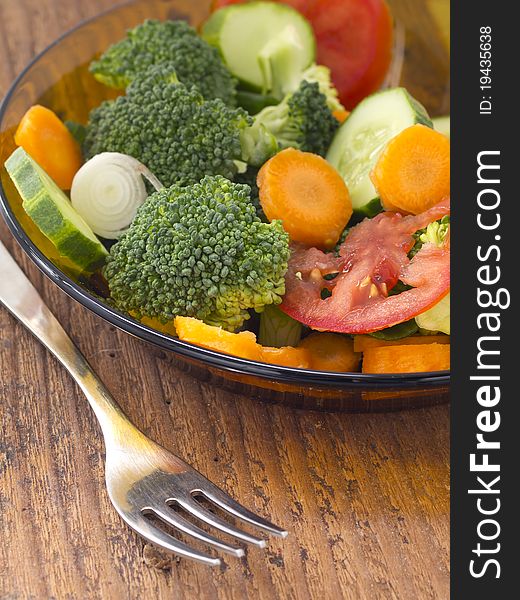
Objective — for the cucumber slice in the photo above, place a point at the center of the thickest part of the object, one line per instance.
(361, 139)
(52, 213)
(437, 318)
(442, 125)
(265, 45)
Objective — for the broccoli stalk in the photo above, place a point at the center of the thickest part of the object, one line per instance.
(258, 144)
(154, 42)
(177, 134)
(279, 64)
(198, 251)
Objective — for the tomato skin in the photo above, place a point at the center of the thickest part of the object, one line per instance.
(372, 259)
(354, 39)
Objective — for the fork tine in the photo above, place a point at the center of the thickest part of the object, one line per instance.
(166, 514)
(196, 509)
(227, 503)
(158, 536)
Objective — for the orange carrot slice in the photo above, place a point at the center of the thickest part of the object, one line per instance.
(407, 358)
(413, 172)
(364, 342)
(168, 327)
(241, 344)
(341, 114)
(286, 356)
(331, 352)
(307, 194)
(48, 141)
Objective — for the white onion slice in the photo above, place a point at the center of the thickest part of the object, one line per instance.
(108, 190)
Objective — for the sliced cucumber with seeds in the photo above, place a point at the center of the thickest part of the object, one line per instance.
(360, 140)
(51, 211)
(266, 46)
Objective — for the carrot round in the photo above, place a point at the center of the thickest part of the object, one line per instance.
(363, 342)
(331, 352)
(307, 194)
(407, 358)
(341, 114)
(413, 171)
(48, 141)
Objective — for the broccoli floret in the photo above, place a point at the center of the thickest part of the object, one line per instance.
(433, 234)
(177, 134)
(198, 251)
(154, 42)
(302, 120)
(321, 75)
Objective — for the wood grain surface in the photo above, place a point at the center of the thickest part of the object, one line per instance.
(365, 497)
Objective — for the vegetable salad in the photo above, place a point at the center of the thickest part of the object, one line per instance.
(252, 200)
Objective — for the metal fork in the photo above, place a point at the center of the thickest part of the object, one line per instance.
(142, 477)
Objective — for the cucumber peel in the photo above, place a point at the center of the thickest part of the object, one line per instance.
(396, 332)
(51, 211)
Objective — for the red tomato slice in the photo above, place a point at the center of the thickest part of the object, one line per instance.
(354, 40)
(373, 258)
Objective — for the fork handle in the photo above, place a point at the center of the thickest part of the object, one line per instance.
(20, 297)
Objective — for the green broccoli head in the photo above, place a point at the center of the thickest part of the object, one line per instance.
(302, 120)
(199, 251)
(321, 75)
(154, 42)
(171, 129)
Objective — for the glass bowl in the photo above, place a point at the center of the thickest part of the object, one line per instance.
(59, 78)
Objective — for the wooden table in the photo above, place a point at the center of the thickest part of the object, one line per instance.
(365, 497)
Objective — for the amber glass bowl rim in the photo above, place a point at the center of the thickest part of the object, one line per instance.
(164, 341)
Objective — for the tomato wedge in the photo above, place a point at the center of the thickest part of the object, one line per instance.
(354, 39)
(373, 258)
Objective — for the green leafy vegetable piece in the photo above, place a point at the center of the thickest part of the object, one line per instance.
(278, 329)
